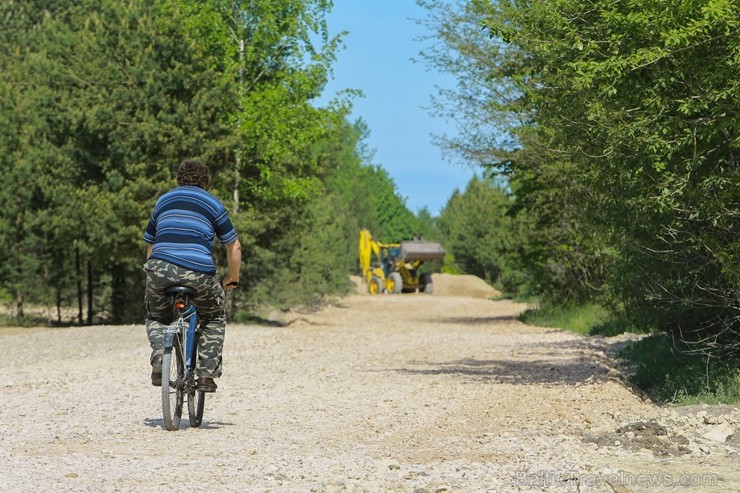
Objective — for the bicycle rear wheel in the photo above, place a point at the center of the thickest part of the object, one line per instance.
(173, 374)
(196, 398)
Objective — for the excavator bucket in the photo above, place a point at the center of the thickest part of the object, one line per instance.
(421, 250)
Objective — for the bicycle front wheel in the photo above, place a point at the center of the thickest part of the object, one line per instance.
(173, 374)
(196, 402)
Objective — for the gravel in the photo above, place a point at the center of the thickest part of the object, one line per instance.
(393, 393)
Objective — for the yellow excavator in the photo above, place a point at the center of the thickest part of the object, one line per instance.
(394, 267)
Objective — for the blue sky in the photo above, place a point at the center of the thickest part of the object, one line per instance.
(377, 59)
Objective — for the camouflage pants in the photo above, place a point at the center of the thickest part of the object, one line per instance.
(209, 301)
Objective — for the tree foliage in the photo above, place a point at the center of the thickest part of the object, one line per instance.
(616, 126)
(485, 240)
(101, 100)
(99, 118)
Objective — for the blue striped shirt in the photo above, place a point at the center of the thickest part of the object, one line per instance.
(183, 228)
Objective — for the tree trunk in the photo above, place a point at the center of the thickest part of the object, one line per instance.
(79, 285)
(118, 293)
(238, 159)
(89, 293)
(19, 305)
(59, 306)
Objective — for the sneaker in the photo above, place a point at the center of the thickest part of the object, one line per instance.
(156, 361)
(206, 384)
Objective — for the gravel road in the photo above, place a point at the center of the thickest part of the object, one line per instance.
(411, 393)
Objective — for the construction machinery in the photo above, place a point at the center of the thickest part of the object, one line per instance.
(394, 267)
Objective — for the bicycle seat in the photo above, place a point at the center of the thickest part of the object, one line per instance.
(175, 290)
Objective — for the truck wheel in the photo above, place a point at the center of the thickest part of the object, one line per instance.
(375, 286)
(395, 283)
(426, 284)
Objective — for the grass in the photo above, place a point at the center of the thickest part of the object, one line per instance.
(667, 370)
(247, 317)
(577, 318)
(27, 321)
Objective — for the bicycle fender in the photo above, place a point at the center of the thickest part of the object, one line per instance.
(169, 336)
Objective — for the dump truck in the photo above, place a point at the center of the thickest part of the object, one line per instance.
(394, 267)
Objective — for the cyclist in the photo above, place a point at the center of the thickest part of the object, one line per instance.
(180, 237)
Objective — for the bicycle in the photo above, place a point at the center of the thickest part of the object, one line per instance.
(179, 362)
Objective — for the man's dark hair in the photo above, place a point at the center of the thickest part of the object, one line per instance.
(194, 173)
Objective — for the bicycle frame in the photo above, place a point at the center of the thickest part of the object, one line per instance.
(188, 338)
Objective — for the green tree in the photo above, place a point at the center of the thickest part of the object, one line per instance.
(633, 101)
(111, 98)
(274, 58)
(103, 99)
(483, 237)
(371, 196)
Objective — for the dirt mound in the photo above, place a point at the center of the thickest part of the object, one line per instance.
(643, 435)
(463, 285)
(448, 285)
(360, 287)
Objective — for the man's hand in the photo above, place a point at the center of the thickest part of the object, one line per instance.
(229, 283)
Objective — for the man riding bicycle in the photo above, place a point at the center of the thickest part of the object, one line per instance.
(180, 238)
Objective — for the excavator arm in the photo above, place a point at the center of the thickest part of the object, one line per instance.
(368, 248)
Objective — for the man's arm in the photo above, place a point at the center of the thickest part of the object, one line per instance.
(149, 247)
(234, 260)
